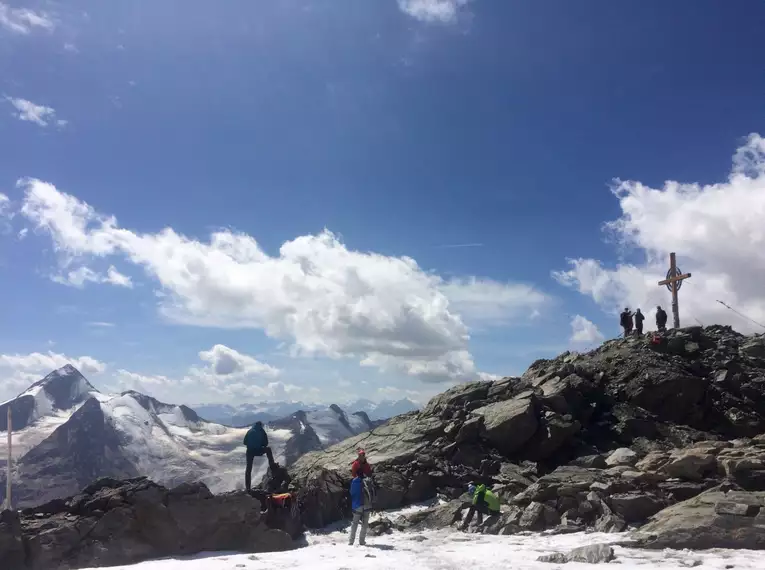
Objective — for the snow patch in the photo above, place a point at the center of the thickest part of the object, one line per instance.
(449, 550)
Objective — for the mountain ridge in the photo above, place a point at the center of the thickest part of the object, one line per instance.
(73, 434)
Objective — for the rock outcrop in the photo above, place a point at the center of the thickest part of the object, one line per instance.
(713, 519)
(604, 440)
(123, 522)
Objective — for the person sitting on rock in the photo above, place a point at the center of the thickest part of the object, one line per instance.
(361, 506)
(361, 467)
(256, 441)
(484, 503)
(661, 319)
(639, 318)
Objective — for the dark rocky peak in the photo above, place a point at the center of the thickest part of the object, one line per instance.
(151, 404)
(23, 410)
(341, 417)
(85, 447)
(66, 387)
(62, 389)
(364, 417)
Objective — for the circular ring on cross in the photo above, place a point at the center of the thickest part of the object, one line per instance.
(671, 274)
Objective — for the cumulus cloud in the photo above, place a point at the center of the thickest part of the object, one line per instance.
(324, 298)
(717, 231)
(225, 361)
(584, 332)
(20, 370)
(226, 375)
(433, 11)
(487, 302)
(6, 213)
(82, 275)
(33, 113)
(24, 21)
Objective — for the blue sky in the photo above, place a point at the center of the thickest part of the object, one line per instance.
(460, 156)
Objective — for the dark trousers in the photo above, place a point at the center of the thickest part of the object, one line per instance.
(481, 509)
(251, 455)
(639, 329)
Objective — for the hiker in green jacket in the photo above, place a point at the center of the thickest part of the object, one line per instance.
(484, 503)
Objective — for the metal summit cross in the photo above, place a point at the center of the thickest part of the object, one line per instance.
(673, 282)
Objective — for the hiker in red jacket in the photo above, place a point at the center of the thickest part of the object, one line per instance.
(360, 467)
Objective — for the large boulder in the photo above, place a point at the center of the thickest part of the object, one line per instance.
(636, 507)
(124, 522)
(713, 519)
(440, 516)
(510, 424)
(692, 464)
(12, 553)
(591, 554)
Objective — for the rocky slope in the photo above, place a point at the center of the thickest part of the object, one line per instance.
(122, 522)
(73, 434)
(608, 440)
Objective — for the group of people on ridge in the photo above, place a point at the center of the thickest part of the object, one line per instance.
(627, 323)
(362, 488)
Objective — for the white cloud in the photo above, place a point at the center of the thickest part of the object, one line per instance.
(440, 11)
(6, 213)
(225, 361)
(82, 275)
(717, 231)
(101, 324)
(22, 233)
(20, 370)
(484, 301)
(584, 332)
(23, 20)
(227, 375)
(114, 277)
(325, 299)
(37, 114)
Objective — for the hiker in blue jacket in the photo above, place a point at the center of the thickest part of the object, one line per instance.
(361, 505)
(256, 441)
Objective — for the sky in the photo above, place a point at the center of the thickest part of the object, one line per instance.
(317, 201)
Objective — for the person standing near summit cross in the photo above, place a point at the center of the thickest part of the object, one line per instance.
(661, 319)
(256, 441)
(639, 318)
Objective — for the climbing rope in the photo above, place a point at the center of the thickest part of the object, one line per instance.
(741, 314)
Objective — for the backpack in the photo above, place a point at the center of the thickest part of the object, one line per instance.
(370, 492)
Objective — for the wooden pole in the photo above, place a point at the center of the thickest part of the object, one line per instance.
(675, 306)
(8, 502)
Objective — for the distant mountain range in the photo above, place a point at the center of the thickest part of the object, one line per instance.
(247, 414)
(67, 433)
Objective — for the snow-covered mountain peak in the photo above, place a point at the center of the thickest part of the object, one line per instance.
(130, 434)
(53, 397)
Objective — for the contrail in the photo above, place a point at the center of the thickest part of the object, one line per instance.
(456, 245)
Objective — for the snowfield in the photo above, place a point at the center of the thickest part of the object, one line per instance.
(166, 442)
(449, 550)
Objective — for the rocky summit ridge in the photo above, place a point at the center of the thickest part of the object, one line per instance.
(607, 440)
(662, 436)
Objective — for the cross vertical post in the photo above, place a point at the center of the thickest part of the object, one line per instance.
(673, 282)
(10, 458)
(675, 307)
